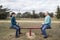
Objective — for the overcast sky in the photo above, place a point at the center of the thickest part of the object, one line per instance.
(29, 5)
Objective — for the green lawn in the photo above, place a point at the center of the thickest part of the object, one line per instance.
(32, 19)
(54, 33)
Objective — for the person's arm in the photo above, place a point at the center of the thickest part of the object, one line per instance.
(15, 20)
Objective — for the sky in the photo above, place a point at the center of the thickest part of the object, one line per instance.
(29, 5)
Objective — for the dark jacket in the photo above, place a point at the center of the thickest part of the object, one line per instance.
(13, 21)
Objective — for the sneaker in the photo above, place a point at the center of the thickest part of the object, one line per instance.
(20, 33)
(46, 37)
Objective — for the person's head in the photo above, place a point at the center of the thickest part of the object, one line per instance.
(13, 14)
(46, 13)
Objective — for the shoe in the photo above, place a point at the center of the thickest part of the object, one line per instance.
(20, 33)
(46, 37)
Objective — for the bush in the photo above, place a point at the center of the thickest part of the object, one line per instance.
(3, 13)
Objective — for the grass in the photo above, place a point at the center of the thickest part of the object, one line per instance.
(4, 30)
(32, 19)
(54, 33)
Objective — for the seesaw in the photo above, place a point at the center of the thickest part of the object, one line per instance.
(30, 34)
(30, 30)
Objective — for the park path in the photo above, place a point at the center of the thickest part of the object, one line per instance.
(23, 21)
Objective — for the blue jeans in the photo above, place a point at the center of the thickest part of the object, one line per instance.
(43, 29)
(17, 29)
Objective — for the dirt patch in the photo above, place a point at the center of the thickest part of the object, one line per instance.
(24, 37)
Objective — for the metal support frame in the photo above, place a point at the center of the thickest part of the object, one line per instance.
(30, 30)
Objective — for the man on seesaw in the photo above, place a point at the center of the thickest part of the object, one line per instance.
(46, 24)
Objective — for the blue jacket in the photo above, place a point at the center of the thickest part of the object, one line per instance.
(47, 20)
(13, 21)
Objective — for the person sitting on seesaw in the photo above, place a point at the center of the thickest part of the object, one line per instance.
(46, 24)
(14, 25)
